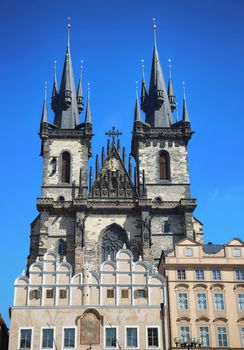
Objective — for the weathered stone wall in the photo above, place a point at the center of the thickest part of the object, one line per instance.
(95, 225)
(166, 230)
(148, 156)
(51, 182)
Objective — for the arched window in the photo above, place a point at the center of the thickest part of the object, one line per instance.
(164, 166)
(66, 167)
(113, 240)
(61, 247)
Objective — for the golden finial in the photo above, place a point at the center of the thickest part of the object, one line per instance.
(68, 27)
(154, 31)
(143, 69)
(184, 89)
(169, 65)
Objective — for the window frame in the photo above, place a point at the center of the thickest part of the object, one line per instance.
(240, 308)
(61, 167)
(41, 337)
(112, 291)
(124, 293)
(186, 326)
(242, 335)
(186, 299)
(237, 271)
(116, 337)
(209, 335)
(223, 299)
(217, 336)
(69, 327)
(19, 337)
(48, 290)
(220, 275)
(126, 340)
(166, 156)
(202, 274)
(206, 302)
(179, 273)
(158, 334)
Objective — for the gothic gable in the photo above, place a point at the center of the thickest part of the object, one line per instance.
(113, 180)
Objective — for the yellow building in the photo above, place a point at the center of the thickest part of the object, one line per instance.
(206, 292)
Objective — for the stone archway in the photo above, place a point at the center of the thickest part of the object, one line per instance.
(112, 240)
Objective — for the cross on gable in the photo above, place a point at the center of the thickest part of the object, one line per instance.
(113, 133)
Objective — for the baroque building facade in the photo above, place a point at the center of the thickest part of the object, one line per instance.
(92, 280)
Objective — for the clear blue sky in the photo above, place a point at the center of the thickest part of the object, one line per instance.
(203, 38)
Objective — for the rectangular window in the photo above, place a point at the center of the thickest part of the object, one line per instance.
(124, 293)
(240, 298)
(25, 338)
(181, 274)
(49, 293)
(47, 338)
(188, 251)
(222, 336)
(110, 337)
(131, 337)
(242, 336)
(152, 337)
(69, 338)
(141, 293)
(216, 274)
(185, 332)
(35, 294)
(204, 336)
(218, 301)
(236, 252)
(62, 293)
(199, 274)
(239, 274)
(110, 293)
(182, 301)
(201, 301)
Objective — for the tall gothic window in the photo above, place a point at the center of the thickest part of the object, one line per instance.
(66, 167)
(164, 166)
(112, 241)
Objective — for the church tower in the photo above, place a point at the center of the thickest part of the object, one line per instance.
(89, 215)
(159, 147)
(65, 149)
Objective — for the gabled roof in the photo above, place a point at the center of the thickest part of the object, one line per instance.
(113, 179)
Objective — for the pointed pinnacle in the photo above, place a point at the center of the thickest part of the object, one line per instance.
(185, 116)
(44, 118)
(88, 119)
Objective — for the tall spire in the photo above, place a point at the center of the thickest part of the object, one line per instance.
(67, 115)
(88, 119)
(171, 94)
(79, 96)
(55, 89)
(185, 116)
(137, 116)
(44, 118)
(144, 94)
(158, 112)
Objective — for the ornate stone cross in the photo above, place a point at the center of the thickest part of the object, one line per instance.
(113, 133)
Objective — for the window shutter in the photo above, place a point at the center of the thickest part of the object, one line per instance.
(136, 294)
(145, 293)
(31, 294)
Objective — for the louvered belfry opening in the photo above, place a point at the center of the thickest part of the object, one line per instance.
(66, 167)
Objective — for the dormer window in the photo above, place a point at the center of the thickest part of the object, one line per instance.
(164, 166)
(65, 167)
